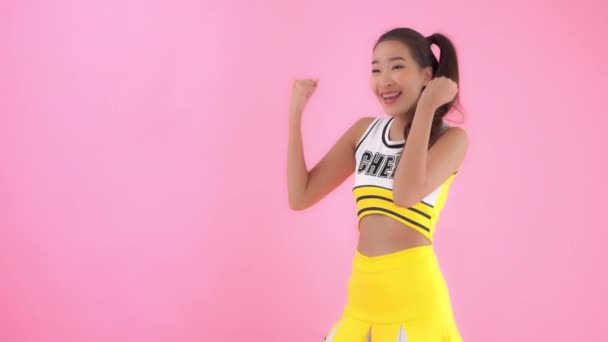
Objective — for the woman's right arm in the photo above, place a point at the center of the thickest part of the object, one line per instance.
(307, 187)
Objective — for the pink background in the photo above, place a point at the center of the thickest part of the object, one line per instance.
(142, 168)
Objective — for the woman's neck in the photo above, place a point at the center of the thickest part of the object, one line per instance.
(399, 124)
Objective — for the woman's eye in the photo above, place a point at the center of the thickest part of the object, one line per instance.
(398, 67)
(375, 71)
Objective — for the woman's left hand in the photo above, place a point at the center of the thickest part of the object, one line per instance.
(439, 91)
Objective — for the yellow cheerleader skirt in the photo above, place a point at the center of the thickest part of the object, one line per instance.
(397, 297)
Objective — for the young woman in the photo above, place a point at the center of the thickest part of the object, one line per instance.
(404, 163)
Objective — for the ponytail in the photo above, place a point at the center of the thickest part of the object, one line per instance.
(446, 66)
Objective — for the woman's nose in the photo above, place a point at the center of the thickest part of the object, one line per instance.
(386, 80)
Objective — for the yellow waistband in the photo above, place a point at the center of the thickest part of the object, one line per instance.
(411, 257)
(396, 287)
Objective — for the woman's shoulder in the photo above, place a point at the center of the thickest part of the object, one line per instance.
(453, 141)
(362, 125)
(459, 131)
(365, 122)
(453, 128)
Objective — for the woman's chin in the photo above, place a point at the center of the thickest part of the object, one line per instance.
(394, 111)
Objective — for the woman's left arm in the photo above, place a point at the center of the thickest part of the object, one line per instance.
(422, 170)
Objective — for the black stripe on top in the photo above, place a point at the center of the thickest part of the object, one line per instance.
(385, 134)
(389, 200)
(385, 188)
(396, 214)
(372, 186)
(367, 133)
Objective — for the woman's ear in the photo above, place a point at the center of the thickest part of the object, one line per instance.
(428, 75)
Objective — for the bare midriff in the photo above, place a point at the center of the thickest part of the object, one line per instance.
(380, 234)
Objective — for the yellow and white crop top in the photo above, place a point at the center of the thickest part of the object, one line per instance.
(377, 159)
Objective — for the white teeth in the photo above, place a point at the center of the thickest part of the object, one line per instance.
(390, 95)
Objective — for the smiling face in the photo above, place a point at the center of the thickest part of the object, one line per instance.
(397, 79)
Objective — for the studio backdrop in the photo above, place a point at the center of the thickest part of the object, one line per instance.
(143, 192)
